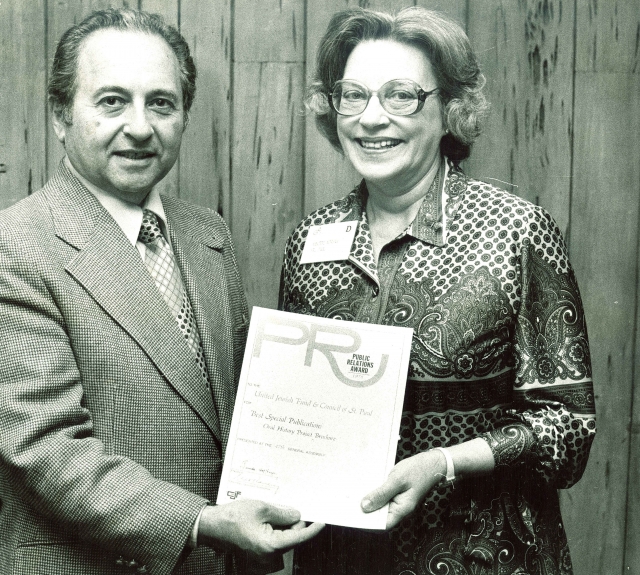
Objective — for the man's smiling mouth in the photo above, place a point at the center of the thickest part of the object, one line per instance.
(132, 155)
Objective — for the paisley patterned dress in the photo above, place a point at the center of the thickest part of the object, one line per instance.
(500, 351)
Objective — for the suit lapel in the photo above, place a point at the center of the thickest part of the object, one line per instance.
(111, 271)
(199, 254)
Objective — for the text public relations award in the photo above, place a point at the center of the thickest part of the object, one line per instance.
(317, 415)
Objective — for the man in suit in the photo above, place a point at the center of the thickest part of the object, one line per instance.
(122, 326)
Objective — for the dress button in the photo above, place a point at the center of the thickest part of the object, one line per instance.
(142, 569)
(120, 560)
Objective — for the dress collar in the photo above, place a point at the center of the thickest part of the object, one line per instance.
(429, 226)
(437, 210)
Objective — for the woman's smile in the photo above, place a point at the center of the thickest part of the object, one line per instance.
(378, 144)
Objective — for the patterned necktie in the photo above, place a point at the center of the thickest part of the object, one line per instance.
(161, 264)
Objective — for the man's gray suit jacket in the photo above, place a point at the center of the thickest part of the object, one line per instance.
(110, 444)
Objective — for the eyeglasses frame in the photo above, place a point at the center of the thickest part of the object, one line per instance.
(422, 97)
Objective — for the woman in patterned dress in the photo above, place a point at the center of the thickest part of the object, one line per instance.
(500, 371)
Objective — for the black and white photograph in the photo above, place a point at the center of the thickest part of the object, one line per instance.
(247, 244)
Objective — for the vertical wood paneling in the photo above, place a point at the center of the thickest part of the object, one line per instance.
(603, 242)
(22, 106)
(456, 9)
(526, 52)
(603, 250)
(168, 9)
(632, 524)
(269, 31)
(204, 157)
(267, 155)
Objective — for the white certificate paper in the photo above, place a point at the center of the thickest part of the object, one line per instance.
(317, 415)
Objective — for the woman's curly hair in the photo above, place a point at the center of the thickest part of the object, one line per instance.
(447, 47)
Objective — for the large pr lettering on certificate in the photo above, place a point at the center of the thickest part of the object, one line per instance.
(317, 415)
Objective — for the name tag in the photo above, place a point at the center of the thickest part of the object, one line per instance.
(329, 242)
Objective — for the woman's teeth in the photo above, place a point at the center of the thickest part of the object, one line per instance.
(379, 144)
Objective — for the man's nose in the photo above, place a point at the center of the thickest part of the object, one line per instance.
(137, 123)
(374, 114)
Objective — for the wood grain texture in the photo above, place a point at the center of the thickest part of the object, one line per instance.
(267, 138)
(22, 106)
(605, 206)
(270, 30)
(631, 558)
(456, 9)
(604, 236)
(608, 36)
(204, 157)
(267, 172)
(526, 53)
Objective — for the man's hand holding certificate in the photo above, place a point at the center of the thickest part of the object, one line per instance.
(317, 415)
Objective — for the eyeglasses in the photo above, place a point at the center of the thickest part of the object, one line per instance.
(397, 97)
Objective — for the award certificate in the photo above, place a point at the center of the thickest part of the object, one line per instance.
(317, 415)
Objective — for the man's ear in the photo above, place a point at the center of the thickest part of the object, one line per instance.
(59, 121)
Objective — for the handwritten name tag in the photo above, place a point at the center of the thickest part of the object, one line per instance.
(329, 242)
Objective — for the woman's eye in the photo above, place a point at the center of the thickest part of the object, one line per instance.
(353, 95)
(401, 96)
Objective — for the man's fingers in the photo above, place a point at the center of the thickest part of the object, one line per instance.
(298, 525)
(285, 540)
(280, 516)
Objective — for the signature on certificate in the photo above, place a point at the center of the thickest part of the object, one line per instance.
(258, 476)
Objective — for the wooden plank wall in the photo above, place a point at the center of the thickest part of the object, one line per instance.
(563, 79)
(564, 130)
(606, 176)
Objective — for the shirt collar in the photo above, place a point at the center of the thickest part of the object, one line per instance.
(126, 214)
(436, 211)
(429, 225)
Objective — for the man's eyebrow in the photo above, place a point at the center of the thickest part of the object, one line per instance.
(159, 93)
(104, 89)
